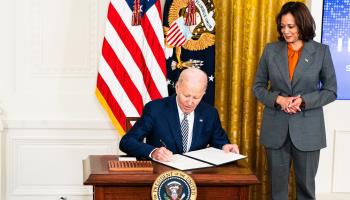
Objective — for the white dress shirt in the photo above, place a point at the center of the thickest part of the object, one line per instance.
(190, 118)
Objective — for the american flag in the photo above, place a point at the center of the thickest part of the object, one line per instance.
(132, 69)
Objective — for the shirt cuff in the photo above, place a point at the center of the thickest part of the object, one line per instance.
(150, 154)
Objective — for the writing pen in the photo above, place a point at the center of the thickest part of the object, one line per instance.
(163, 144)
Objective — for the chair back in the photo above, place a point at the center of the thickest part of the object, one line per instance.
(128, 121)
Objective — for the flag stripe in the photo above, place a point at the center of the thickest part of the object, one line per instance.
(174, 38)
(182, 41)
(122, 76)
(127, 60)
(132, 68)
(157, 71)
(178, 38)
(158, 50)
(158, 6)
(116, 89)
(172, 35)
(134, 36)
(157, 25)
(110, 105)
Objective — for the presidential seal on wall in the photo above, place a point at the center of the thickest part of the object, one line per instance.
(174, 185)
(189, 29)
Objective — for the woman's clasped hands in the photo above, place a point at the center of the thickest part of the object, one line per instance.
(290, 105)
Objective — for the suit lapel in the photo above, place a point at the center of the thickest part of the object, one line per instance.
(174, 124)
(304, 62)
(197, 127)
(281, 59)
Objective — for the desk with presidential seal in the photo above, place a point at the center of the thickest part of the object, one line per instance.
(229, 181)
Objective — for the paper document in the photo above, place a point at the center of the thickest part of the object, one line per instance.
(185, 163)
(214, 156)
(121, 158)
(203, 158)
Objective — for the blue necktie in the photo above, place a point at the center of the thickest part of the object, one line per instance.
(184, 132)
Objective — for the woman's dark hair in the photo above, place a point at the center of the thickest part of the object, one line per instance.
(303, 20)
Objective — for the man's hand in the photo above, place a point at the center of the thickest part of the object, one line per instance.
(162, 154)
(230, 148)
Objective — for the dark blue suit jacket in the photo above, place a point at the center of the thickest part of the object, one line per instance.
(160, 121)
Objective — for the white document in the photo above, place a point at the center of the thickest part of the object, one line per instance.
(122, 158)
(208, 157)
(214, 156)
(185, 163)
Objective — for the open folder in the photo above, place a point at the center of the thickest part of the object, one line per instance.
(208, 157)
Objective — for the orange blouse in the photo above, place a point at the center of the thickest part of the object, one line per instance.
(293, 57)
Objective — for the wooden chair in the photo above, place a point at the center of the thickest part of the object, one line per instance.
(128, 121)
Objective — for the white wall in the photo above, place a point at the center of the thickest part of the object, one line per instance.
(332, 181)
(49, 53)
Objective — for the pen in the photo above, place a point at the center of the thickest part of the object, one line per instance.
(163, 144)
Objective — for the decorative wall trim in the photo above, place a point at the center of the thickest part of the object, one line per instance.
(60, 124)
(340, 171)
(1, 126)
(36, 32)
(1, 152)
(52, 190)
(58, 155)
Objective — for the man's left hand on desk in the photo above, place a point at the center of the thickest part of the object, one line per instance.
(231, 148)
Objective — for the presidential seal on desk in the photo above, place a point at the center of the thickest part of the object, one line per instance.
(174, 185)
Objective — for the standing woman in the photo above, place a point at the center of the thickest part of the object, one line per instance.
(294, 79)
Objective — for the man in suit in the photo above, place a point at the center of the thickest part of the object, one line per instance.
(295, 78)
(178, 123)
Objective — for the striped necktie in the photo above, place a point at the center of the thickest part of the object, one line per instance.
(184, 131)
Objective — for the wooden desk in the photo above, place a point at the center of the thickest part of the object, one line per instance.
(230, 181)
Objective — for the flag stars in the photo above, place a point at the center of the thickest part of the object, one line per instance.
(211, 78)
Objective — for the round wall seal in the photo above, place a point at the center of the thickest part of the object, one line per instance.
(174, 185)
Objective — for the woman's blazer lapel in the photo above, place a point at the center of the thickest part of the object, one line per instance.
(305, 61)
(281, 60)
